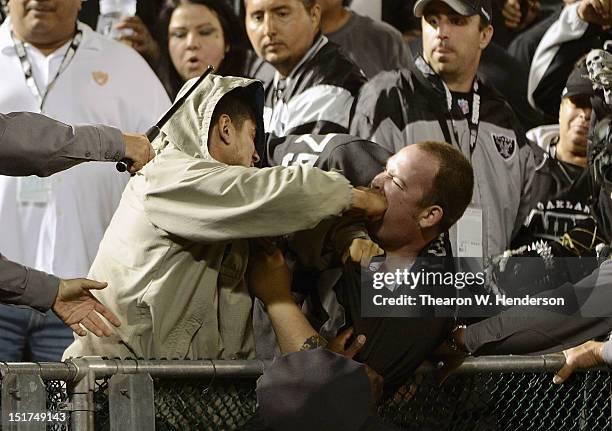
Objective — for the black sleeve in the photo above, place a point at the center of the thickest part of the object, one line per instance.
(547, 95)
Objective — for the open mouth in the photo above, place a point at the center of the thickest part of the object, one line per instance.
(194, 62)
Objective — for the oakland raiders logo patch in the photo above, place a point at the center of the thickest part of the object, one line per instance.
(506, 146)
(100, 78)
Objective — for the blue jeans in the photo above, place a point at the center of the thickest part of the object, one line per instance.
(45, 335)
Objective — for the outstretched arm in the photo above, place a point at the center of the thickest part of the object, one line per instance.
(32, 144)
(77, 307)
(587, 355)
(70, 299)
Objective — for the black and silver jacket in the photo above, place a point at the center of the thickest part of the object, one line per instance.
(398, 108)
(317, 96)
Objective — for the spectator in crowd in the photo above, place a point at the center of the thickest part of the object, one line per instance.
(561, 189)
(502, 73)
(315, 84)
(427, 186)
(199, 33)
(138, 31)
(181, 229)
(582, 26)
(373, 45)
(440, 98)
(55, 65)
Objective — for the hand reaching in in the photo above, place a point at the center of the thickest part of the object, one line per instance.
(77, 307)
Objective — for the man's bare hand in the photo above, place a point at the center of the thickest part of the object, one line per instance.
(77, 307)
(138, 37)
(596, 12)
(512, 13)
(368, 202)
(513, 16)
(138, 149)
(339, 345)
(270, 277)
(586, 355)
(361, 251)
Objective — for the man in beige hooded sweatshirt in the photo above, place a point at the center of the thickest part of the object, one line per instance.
(176, 251)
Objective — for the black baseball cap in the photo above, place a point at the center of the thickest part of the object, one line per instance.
(462, 7)
(578, 83)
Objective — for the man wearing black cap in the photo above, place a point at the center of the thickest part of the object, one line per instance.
(440, 98)
(561, 186)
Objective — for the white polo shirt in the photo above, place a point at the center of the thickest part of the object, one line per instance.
(56, 224)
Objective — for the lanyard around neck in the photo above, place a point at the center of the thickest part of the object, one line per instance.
(425, 70)
(28, 73)
(475, 119)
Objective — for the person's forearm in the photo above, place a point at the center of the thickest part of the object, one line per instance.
(291, 326)
(32, 144)
(567, 29)
(231, 202)
(20, 285)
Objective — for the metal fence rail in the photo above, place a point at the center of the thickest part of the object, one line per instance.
(487, 393)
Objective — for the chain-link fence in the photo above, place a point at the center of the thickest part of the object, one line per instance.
(490, 393)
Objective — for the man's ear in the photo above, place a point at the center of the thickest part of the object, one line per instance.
(430, 216)
(225, 129)
(315, 15)
(486, 34)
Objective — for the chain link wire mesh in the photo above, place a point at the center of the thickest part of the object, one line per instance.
(508, 402)
(57, 397)
(479, 402)
(193, 404)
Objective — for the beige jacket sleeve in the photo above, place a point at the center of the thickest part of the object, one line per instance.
(206, 201)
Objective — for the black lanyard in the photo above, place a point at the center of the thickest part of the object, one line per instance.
(29, 73)
(475, 118)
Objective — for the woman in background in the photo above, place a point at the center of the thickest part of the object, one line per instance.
(199, 33)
